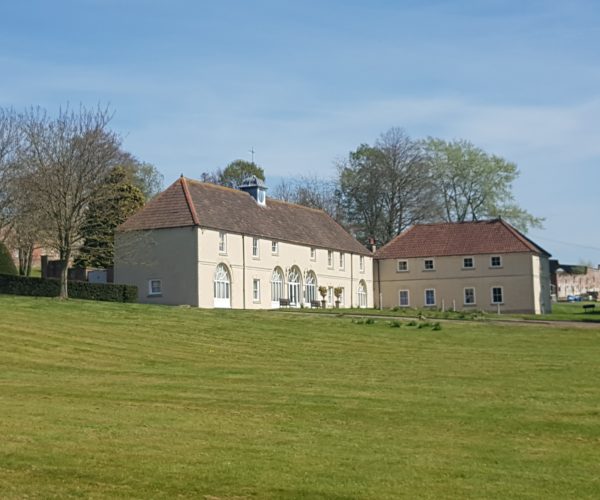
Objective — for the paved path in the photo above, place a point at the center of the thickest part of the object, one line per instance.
(506, 321)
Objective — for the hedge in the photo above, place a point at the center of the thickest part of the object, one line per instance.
(39, 287)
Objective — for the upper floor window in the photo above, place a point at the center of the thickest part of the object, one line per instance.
(428, 265)
(255, 248)
(361, 263)
(468, 263)
(275, 247)
(222, 242)
(342, 260)
(496, 261)
(402, 266)
(313, 253)
(330, 258)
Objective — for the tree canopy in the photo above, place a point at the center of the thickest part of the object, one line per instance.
(472, 184)
(234, 173)
(116, 200)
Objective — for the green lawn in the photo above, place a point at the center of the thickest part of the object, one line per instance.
(561, 311)
(108, 401)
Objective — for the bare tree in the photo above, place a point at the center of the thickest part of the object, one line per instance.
(313, 192)
(9, 144)
(387, 187)
(64, 162)
(408, 194)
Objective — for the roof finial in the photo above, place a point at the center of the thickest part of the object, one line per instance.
(181, 175)
(251, 150)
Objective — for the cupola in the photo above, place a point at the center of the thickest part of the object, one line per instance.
(256, 188)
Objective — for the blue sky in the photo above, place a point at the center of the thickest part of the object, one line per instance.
(196, 84)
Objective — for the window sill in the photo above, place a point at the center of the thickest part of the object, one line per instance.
(428, 270)
(468, 268)
(402, 270)
(153, 295)
(497, 304)
(430, 305)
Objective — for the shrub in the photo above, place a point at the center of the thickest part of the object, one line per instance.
(369, 321)
(395, 324)
(7, 266)
(412, 323)
(437, 326)
(38, 287)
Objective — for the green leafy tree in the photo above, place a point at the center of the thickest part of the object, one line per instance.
(118, 198)
(235, 173)
(7, 266)
(473, 185)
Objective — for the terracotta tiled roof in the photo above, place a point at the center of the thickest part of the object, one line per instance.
(191, 203)
(459, 238)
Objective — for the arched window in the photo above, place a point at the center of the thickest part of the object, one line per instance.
(310, 291)
(222, 286)
(362, 294)
(294, 286)
(276, 287)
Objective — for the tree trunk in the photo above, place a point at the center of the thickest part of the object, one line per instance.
(64, 273)
(25, 260)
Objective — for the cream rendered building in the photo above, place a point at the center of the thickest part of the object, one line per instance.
(482, 265)
(210, 246)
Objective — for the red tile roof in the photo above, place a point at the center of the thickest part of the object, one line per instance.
(458, 238)
(192, 203)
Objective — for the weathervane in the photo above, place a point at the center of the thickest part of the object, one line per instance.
(252, 152)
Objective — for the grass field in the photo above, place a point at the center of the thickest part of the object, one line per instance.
(108, 401)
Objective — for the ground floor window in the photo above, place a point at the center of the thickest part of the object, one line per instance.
(403, 298)
(294, 287)
(497, 295)
(310, 292)
(362, 294)
(256, 290)
(330, 295)
(154, 287)
(277, 285)
(222, 286)
(430, 297)
(469, 296)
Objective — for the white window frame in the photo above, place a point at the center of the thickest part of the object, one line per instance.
(342, 261)
(330, 259)
(425, 264)
(499, 257)
(277, 287)
(405, 264)
(400, 292)
(313, 253)
(425, 297)
(222, 243)
(472, 266)
(465, 303)
(492, 295)
(330, 296)
(275, 247)
(152, 293)
(361, 263)
(362, 294)
(255, 248)
(256, 290)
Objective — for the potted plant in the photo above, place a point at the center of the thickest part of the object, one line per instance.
(323, 292)
(337, 291)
